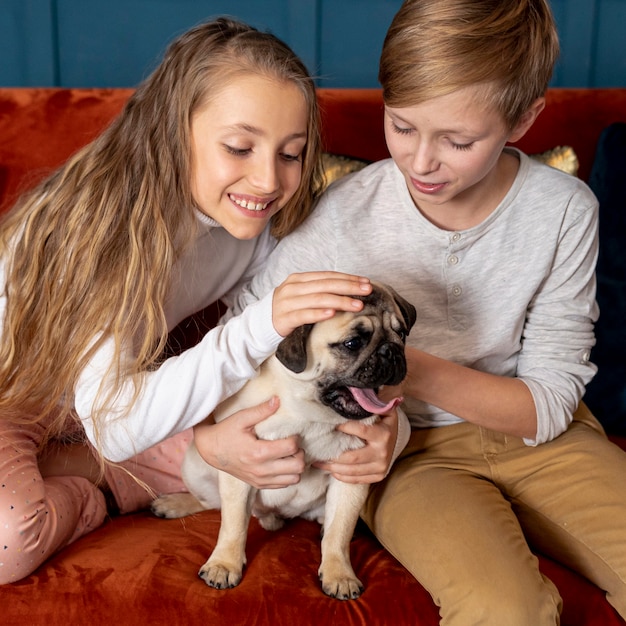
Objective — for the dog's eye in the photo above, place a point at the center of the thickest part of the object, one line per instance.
(402, 334)
(354, 343)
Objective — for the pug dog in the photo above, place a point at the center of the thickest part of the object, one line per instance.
(324, 374)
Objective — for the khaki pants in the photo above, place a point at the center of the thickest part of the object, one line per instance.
(462, 502)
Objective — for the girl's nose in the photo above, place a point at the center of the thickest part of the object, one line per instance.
(264, 175)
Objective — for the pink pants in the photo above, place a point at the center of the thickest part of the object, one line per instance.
(39, 516)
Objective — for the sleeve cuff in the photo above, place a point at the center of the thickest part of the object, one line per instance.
(404, 432)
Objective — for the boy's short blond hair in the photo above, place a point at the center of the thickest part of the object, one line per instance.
(435, 47)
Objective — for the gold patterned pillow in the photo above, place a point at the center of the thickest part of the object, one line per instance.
(337, 166)
(562, 158)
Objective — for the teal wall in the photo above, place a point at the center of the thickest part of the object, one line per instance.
(115, 43)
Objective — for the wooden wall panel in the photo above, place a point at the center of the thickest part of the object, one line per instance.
(351, 38)
(609, 67)
(115, 43)
(27, 43)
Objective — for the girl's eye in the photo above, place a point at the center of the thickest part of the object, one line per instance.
(290, 157)
(462, 146)
(237, 151)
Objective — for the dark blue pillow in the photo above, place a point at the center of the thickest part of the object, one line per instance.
(606, 394)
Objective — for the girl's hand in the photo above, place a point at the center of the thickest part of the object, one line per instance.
(315, 296)
(370, 463)
(232, 446)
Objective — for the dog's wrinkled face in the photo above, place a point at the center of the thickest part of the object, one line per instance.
(350, 356)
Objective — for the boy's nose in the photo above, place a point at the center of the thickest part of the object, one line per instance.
(424, 159)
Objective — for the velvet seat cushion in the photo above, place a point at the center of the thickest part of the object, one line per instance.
(138, 569)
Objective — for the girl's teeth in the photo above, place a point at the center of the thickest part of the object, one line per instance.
(251, 206)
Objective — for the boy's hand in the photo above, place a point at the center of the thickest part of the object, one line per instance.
(370, 463)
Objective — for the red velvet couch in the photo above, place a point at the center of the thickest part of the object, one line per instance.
(137, 569)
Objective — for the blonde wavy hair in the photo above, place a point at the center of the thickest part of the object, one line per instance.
(435, 47)
(89, 252)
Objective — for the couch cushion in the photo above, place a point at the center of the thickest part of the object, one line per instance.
(562, 158)
(606, 394)
(138, 569)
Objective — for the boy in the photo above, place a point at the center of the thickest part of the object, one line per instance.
(497, 253)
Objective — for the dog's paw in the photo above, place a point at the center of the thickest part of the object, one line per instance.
(220, 576)
(343, 588)
(176, 505)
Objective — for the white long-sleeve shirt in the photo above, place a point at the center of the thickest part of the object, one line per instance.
(185, 389)
(513, 296)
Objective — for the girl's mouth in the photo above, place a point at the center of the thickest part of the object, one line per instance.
(250, 204)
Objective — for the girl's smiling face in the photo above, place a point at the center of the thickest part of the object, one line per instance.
(247, 145)
(449, 150)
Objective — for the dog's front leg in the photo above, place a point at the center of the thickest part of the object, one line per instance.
(343, 505)
(224, 568)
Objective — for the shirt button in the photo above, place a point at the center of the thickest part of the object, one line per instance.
(585, 356)
(453, 259)
(455, 237)
(457, 291)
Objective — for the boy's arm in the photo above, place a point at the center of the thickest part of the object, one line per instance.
(494, 402)
(553, 365)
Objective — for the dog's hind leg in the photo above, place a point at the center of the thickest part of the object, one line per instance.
(224, 568)
(343, 505)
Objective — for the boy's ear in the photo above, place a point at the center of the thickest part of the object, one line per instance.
(527, 119)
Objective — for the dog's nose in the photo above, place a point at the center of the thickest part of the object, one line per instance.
(385, 350)
(392, 355)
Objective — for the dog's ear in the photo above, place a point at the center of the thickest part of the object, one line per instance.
(407, 309)
(291, 351)
(409, 314)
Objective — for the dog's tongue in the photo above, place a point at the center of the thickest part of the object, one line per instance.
(368, 399)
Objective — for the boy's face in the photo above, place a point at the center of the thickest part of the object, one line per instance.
(247, 145)
(449, 150)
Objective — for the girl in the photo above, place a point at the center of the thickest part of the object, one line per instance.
(497, 253)
(177, 203)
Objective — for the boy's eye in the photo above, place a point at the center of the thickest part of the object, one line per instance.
(462, 146)
(400, 130)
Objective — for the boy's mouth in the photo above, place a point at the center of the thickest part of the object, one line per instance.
(427, 188)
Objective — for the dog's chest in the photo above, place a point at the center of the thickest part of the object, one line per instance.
(306, 499)
(320, 440)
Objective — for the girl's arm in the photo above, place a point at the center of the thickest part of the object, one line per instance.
(187, 388)
(232, 446)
